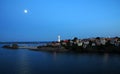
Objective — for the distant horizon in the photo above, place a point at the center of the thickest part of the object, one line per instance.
(61, 39)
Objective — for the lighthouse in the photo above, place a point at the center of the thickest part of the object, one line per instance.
(58, 38)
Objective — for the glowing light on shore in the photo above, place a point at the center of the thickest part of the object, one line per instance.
(58, 38)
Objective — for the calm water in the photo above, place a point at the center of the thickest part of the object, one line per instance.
(24, 61)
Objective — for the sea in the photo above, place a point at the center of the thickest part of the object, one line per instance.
(25, 61)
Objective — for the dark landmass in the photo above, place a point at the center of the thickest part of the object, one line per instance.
(91, 45)
(13, 46)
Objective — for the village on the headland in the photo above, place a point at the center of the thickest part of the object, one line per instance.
(88, 45)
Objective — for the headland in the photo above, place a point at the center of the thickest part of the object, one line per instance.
(88, 45)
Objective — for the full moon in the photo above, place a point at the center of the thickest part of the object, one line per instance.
(25, 11)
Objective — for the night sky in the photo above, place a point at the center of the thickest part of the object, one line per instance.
(44, 20)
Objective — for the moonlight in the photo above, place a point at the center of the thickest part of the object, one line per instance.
(25, 11)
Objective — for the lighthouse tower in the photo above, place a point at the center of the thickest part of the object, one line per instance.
(58, 38)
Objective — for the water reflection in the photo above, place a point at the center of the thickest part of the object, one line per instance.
(23, 63)
(106, 56)
(54, 56)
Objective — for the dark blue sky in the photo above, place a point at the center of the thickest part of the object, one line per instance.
(48, 18)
